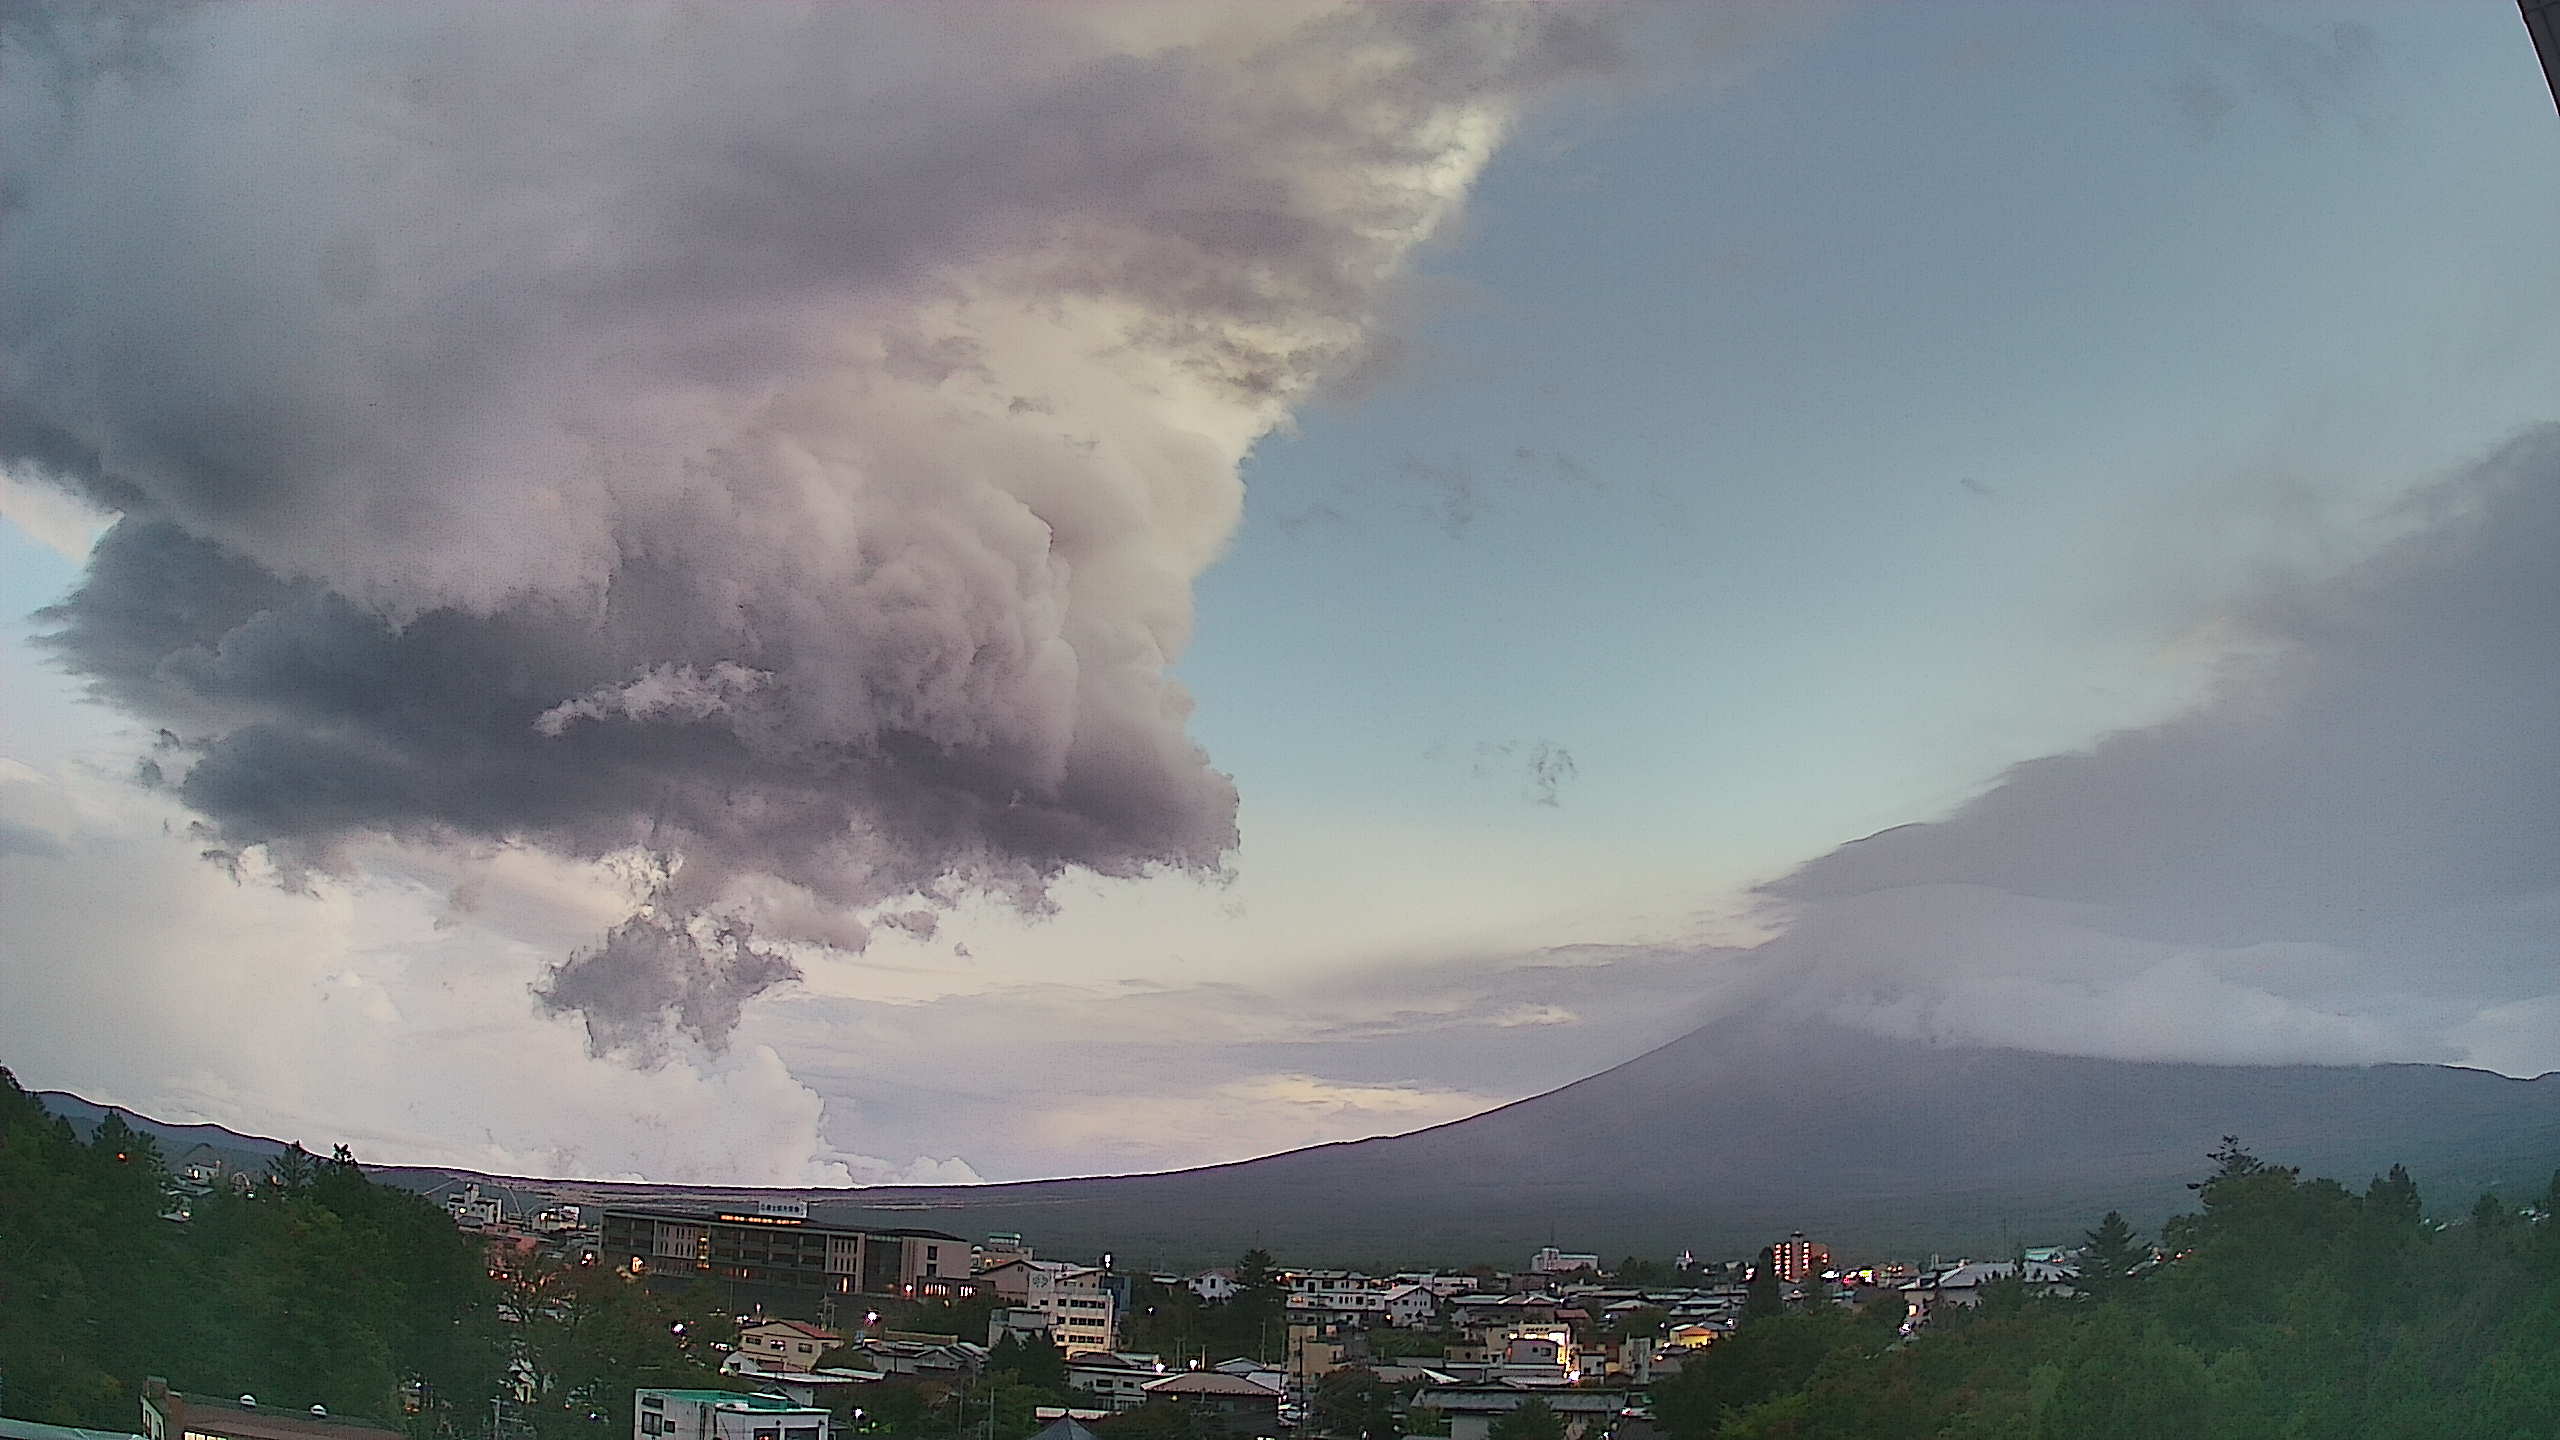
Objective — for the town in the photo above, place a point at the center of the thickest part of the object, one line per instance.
(289, 1296)
(835, 1330)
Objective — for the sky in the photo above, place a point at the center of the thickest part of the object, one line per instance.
(857, 595)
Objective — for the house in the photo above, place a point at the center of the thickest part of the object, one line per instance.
(169, 1415)
(1963, 1284)
(786, 1345)
(817, 1389)
(722, 1415)
(1120, 1381)
(1214, 1286)
(1472, 1409)
(1065, 1427)
(1235, 1405)
(1409, 1305)
(945, 1357)
(1269, 1377)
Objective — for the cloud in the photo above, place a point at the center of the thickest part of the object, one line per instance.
(51, 516)
(1543, 767)
(2347, 852)
(784, 440)
(2321, 75)
(355, 1011)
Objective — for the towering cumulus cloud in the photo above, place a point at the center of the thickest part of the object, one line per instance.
(779, 439)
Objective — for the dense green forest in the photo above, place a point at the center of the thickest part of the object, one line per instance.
(2284, 1309)
(318, 1287)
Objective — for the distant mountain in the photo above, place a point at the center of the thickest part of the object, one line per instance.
(1730, 1137)
(1734, 1135)
(174, 1140)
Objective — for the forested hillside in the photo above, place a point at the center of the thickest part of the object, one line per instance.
(318, 1287)
(2285, 1310)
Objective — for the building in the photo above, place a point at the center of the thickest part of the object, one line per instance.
(773, 1248)
(1963, 1284)
(1798, 1258)
(1235, 1405)
(723, 1415)
(14, 1429)
(168, 1415)
(1472, 1409)
(1025, 1323)
(1082, 1310)
(1001, 1248)
(473, 1210)
(1119, 1381)
(786, 1345)
(1552, 1261)
(1214, 1286)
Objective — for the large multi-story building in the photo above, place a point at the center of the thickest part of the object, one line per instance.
(1552, 1261)
(1082, 1311)
(780, 1248)
(723, 1415)
(1796, 1257)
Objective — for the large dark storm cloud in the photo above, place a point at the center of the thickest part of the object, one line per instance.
(780, 438)
(2351, 850)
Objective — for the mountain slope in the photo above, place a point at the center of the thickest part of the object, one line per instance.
(1730, 1137)
(1733, 1135)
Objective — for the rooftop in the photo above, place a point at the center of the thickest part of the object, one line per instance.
(37, 1430)
(214, 1415)
(1209, 1382)
(730, 1398)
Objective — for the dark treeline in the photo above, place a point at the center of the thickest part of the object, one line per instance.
(317, 1288)
(2283, 1309)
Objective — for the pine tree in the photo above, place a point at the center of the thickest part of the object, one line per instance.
(1762, 1294)
(2394, 1197)
(2107, 1260)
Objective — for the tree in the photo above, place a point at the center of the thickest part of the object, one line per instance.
(1532, 1419)
(1352, 1403)
(2393, 1198)
(1254, 1318)
(2490, 1214)
(292, 1170)
(2127, 1384)
(1162, 1418)
(1031, 1360)
(2108, 1257)
(1763, 1295)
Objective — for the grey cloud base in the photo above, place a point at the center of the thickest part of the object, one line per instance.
(2351, 851)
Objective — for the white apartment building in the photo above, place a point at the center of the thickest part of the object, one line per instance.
(721, 1415)
(1552, 1261)
(1082, 1316)
(1349, 1295)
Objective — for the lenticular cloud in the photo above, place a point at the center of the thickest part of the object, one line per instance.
(781, 439)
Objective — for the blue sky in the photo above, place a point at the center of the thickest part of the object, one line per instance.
(1796, 429)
